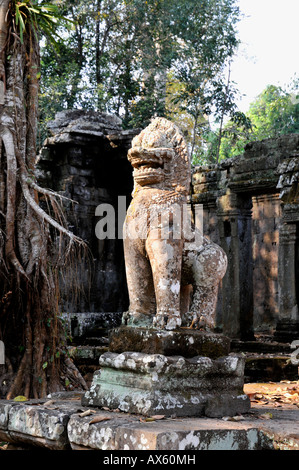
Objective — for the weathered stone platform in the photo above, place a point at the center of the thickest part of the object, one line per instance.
(60, 426)
(60, 422)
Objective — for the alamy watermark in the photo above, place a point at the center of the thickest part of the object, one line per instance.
(163, 221)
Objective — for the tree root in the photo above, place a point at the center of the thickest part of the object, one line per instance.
(29, 327)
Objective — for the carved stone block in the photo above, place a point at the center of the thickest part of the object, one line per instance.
(151, 384)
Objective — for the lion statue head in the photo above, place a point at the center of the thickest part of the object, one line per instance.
(160, 159)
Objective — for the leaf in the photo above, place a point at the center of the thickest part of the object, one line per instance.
(259, 396)
(233, 418)
(20, 398)
(157, 417)
(49, 403)
(266, 416)
(98, 419)
(251, 396)
(86, 413)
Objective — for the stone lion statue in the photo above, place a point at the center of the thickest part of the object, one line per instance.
(173, 272)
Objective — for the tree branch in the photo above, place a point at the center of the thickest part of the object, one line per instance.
(43, 215)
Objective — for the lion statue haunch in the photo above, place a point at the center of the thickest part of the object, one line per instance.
(173, 276)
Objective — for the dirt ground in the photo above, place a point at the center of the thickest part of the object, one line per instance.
(277, 394)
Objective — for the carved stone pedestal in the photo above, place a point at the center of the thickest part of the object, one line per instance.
(181, 342)
(155, 383)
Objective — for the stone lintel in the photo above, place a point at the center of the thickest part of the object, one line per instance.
(182, 342)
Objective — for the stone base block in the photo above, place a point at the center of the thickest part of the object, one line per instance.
(126, 432)
(151, 384)
(34, 423)
(182, 342)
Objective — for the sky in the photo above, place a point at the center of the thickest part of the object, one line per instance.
(269, 49)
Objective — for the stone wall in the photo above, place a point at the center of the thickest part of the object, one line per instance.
(266, 217)
(250, 208)
(85, 159)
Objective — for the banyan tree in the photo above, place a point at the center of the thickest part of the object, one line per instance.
(36, 359)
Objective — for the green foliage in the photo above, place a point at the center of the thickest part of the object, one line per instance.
(42, 16)
(274, 112)
(138, 59)
(237, 132)
(118, 55)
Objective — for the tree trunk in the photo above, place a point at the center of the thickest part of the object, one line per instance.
(29, 323)
(222, 115)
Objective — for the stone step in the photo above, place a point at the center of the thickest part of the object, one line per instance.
(87, 354)
(86, 358)
(90, 327)
(260, 346)
(59, 425)
(269, 367)
(266, 360)
(258, 368)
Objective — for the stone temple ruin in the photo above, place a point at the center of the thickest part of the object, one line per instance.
(155, 364)
(250, 210)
